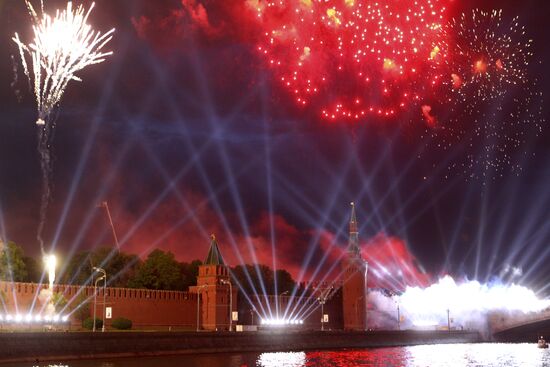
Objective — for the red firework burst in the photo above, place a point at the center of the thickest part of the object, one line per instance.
(353, 58)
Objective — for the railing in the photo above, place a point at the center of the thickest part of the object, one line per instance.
(528, 320)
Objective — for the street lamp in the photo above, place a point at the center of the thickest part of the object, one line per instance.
(322, 303)
(198, 303)
(279, 309)
(225, 281)
(449, 320)
(398, 318)
(252, 310)
(322, 300)
(95, 300)
(104, 278)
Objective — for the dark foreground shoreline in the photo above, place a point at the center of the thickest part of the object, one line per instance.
(32, 347)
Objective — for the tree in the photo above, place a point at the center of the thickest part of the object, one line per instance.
(285, 283)
(242, 273)
(119, 266)
(81, 307)
(79, 269)
(189, 273)
(89, 323)
(264, 283)
(12, 266)
(159, 271)
(34, 271)
(122, 323)
(59, 301)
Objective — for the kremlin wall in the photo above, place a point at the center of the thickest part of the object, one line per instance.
(344, 306)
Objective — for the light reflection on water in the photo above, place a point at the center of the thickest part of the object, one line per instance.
(479, 355)
(290, 359)
(455, 355)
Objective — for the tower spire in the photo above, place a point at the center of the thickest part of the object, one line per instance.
(353, 246)
(214, 256)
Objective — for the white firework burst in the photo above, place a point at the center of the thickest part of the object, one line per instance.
(62, 45)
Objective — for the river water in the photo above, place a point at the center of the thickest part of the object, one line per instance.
(450, 355)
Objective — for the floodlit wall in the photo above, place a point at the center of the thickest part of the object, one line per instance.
(353, 295)
(148, 309)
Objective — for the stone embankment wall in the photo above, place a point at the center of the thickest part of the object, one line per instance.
(66, 346)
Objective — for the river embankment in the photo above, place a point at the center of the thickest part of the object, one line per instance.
(51, 346)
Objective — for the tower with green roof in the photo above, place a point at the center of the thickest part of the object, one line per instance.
(214, 290)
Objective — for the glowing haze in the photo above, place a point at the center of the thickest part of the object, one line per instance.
(468, 302)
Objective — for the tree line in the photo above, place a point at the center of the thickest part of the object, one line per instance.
(159, 270)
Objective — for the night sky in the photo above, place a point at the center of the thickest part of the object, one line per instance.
(184, 131)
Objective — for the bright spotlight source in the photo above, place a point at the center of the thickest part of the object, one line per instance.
(51, 262)
(280, 322)
(425, 323)
(28, 318)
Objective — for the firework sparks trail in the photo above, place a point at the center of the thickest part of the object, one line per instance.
(492, 106)
(353, 58)
(62, 45)
(483, 55)
(15, 80)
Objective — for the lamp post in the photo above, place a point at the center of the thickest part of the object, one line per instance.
(398, 318)
(279, 306)
(104, 277)
(252, 310)
(95, 300)
(198, 303)
(322, 302)
(225, 281)
(449, 320)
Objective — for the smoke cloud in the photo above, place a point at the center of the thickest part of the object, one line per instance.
(470, 304)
